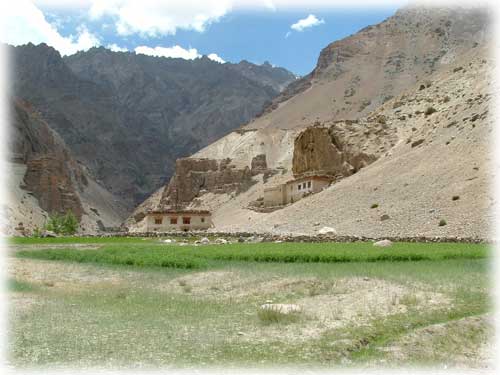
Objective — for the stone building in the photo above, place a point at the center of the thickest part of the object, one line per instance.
(294, 190)
(177, 220)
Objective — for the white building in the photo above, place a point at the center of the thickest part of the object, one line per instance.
(177, 220)
(294, 190)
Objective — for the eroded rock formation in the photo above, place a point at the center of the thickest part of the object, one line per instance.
(52, 175)
(194, 177)
(341, 148)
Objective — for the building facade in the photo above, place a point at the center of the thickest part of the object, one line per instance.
(294, 190)
(177, 220)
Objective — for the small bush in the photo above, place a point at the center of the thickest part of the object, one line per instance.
(442, 222)
(274, 316)
(37, 233)
(62, 224)
(374, 205)
(455, 198)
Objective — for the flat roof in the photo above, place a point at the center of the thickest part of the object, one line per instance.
(311, 177)
(179, 212)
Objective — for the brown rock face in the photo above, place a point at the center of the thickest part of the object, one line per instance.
(340, 149)
(198, 176)
(48, 178)
(52, 175)
(259, 164)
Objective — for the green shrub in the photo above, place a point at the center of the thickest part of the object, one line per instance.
(442, 222)
(62, 224)
(374, 205)
(37, 233)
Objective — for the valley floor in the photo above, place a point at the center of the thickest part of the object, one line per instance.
(76, 303)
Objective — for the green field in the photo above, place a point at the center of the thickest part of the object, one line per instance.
(132, 302)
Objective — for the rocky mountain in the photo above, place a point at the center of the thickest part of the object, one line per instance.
(276, 77)
(45, 179)
(357, 74)
(399, 112)
(128, 117)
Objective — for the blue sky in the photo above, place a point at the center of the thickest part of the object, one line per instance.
(228, 32)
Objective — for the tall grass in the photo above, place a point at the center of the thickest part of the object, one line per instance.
(158, 255)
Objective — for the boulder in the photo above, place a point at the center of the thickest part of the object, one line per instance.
(204, 241)
(383, 243)
(327, 230)
(48, 233)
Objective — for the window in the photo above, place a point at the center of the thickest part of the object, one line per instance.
(202, 219)
(158, 220)
(299, 187)
(173, 220)
(309, 184)
(186, 220)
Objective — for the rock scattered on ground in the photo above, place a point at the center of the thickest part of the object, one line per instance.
(383, 243)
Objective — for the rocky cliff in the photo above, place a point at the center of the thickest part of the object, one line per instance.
(342, 148)
(128, 117)
(198, 176)
(46, 179)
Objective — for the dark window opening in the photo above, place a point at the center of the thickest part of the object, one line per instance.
(158, 220)
(186, 220)
(173, 220)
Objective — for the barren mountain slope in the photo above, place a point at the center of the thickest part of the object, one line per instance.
(44, 179)
(440, 169)
(356, 75)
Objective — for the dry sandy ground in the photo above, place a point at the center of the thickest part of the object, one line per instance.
(327, 304)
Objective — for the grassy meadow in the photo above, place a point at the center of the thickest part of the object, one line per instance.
(132, 302)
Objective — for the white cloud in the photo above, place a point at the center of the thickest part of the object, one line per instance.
(23, 22)
(215, 57)
(174, 51)
(156, 17)
(310, 21)
(116, 48)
